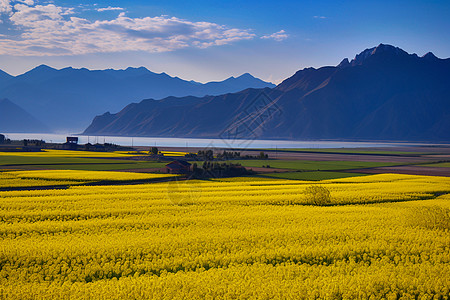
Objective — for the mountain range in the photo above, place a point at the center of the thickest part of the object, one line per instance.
(68, 99)
(384, 93)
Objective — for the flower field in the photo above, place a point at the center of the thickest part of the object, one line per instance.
(174, 153)
(69, 177)
(379, 236)
(50, 153)
(10, 180)
(81, 175)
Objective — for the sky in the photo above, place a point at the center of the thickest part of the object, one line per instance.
(208, 40)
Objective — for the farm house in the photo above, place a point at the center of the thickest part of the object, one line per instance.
(178, 167)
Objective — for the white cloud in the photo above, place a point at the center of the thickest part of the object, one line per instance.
(68, 11)
(277, 36)
(27, 2)
(47, 30)
(109, 8)
(319, 17)
(5, 7)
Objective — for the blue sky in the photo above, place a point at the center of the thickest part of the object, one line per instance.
(212, 40)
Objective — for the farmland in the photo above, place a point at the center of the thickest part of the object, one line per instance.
(73, 160)
(116, 235)
(246, 237)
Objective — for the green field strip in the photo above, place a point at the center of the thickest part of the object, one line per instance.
(314, 175)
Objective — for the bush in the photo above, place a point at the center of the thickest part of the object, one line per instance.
(317, 195)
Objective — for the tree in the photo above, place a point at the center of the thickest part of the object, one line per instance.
(154, 151)
(209, 155)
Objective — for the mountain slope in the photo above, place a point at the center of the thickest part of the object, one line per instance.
(4, 78)
(384, 93)
(69, 98)
(15, 119)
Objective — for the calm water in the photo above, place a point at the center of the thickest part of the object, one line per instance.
(192, 142)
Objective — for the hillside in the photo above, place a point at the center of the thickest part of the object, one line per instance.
(13, 118)
(384, 93)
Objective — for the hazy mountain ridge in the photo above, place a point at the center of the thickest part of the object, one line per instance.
(13, 118)
(384, 93)
(69, 98)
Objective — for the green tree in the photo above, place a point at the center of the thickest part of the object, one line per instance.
(209, 155)
(154, 151)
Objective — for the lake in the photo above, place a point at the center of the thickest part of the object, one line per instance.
(197, 142)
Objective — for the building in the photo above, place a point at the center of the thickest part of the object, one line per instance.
(71, 143)
(72, 140)
(178, 167)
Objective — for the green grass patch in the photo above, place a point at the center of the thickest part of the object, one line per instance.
(441, 165)
(348, 151)
(315, 175)
(310, 165)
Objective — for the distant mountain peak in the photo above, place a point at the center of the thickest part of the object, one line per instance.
(381, 49)
(430, 56)
(70, 69)
(43, 68)
(388, 48)
(39, 71)
(243, 76)
(344, 63)
(247, 79)
(140, 69)
(246, 75)
(136, 68)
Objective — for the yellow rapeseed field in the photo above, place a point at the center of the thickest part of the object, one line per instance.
(71, 153)
(11, 179)
(82, 175)
(36, 178)
(381, 236)
(173, 153)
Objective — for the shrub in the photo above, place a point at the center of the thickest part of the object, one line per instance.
(318, 195)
